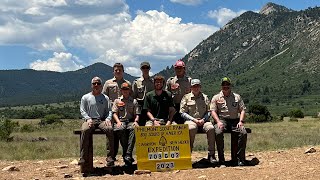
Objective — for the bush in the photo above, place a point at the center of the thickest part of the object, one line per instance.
(297, 113)
(259, 113)
(27, 128)
(6, 128)
(51, 119)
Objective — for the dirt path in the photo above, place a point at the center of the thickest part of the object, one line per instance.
(282, 164)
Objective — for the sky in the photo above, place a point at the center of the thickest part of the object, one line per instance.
(66, 35)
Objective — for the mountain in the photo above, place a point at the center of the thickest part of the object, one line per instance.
(271, 56)
(22, 87)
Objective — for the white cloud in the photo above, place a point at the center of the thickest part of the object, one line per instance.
(224, 15)
(102, 28)
(61, 62)
(188, 2)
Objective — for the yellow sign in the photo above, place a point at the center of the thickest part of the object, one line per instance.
(163, 148)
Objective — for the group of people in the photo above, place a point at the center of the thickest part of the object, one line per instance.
(118, 106)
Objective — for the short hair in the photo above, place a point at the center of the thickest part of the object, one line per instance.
(158, 77)
(96, 79)
(118, 65)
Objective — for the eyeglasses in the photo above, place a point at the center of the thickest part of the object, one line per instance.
(145, 67)
(96, 83)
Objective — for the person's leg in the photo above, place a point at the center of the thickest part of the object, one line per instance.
(208, 128)
(177, 116)
(219, 137)
(193, 128)
(242, 143)
(131, 141)
(110, 143)
(84, 142)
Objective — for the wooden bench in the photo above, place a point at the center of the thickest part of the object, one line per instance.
(88, 166)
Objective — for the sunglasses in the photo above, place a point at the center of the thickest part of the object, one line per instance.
(96, 83)
(145, 67)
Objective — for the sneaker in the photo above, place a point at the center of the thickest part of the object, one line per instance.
(212, 159)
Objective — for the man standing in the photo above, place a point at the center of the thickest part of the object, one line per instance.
(194, 108)
(159, 105)
(126, 115)
(140, 87)
(96, 111)
(225, 109)
(111, 88)
(178, 85)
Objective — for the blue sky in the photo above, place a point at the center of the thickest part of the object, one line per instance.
(66, 35)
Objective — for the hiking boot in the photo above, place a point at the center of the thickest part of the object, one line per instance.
(212, 159)
(81, 162)
(110, 161)
(128, 160)
(241, 163)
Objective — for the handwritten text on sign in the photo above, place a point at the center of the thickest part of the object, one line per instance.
(161, 148)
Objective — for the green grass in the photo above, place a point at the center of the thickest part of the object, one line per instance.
(63, 143)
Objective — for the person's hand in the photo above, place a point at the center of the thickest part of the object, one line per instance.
(168, 123)
(240, 125)
(156, 123)
(220, 125)
(90, 122)
(135, 124)
(108, 122)
(200, 122)
(119, 124)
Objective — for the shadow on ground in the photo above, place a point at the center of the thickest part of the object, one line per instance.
(204, 163)
(115, 170)
(120, 170)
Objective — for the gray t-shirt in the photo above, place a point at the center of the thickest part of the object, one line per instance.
(97, 107)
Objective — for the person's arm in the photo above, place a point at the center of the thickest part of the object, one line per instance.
(136, 112)
(172, 111)
(105, 89)
(214, 109)
(134, 89)
(83, 109)
(115, 112)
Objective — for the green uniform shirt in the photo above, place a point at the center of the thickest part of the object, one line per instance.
(158, 105)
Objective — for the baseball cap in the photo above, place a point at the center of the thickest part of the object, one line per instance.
(226, 79)
(144, 64)
(125, 86)
(179, 63)
(195, 82)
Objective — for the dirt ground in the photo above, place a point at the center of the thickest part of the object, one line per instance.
(281, 164)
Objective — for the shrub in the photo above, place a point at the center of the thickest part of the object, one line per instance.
(297, 113)
(259, 113)
(51, 119)
(6, 128)
(27, 128)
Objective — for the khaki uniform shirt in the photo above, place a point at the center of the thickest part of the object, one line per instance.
(126, 109)
(141, 86)
(178, 87)
(111, 88)
(195, 106)
(227, 107)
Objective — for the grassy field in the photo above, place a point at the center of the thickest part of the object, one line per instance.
(62, 143)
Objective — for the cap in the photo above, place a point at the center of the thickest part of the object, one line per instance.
(179, 63)
(195, 82)
(125, 86)
(226, 79)
(144, 64)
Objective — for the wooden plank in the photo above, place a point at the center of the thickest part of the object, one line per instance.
(98, 131)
